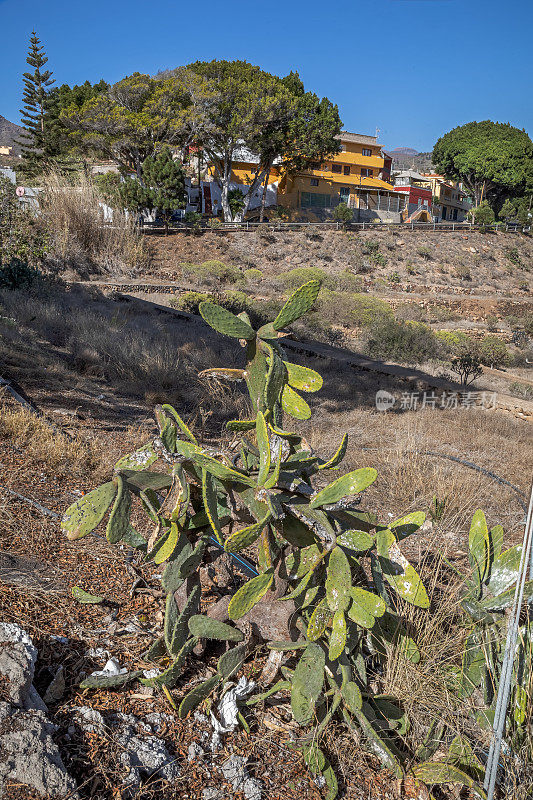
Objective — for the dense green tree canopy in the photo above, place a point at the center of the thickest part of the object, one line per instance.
(492, 159)
(132, 120)
(244, 108)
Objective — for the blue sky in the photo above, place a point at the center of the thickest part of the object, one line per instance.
(412, 68)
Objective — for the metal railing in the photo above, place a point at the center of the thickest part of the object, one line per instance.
(225, 227)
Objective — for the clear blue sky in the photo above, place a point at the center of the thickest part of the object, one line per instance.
(412, 68)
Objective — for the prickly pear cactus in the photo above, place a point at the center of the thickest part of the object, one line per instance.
(314, 547)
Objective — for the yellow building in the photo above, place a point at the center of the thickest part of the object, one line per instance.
(357, 176)
(451, 202)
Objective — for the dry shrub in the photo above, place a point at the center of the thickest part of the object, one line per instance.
(80, 239)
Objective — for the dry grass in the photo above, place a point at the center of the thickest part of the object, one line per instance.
(80, 240)
(47, 446)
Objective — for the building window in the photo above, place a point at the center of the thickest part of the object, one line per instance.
(314, 181)
(367, 151)
(344, 193)
(347, 170)
(336, 167)
(367, 173)
(313, 199)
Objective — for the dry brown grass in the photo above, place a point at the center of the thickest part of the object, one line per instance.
(80, 240)
(46, 446)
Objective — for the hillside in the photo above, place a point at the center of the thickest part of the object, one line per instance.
(9, 133)
(405, 158)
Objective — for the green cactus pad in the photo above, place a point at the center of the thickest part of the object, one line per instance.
(178, 420)
(248, 595)
(84, 597)
(275, 377)
(263, 444)
(505, 599)
(110, 681)
(405, 526)
(221, 471)
(170, 676)
(303, 378)
(134, 539)
(171, 617)
(209, 497)
(287, 646)
(338, 581)
(293, 404)
(350, 484)
(337, 638)
(119, 519)
(140, 459)
(319, 621)
(351, 694)
(273, 478)
(297, 305)
(167, 546)
(355, 540)
(337, 457)
(307, 682)
(232, 660)
(206, 628)
(240, 424)
(87, 513)
(399, 573)
(479, 547)
(504, 572)
(245, 536)
(365, 607)
(199, 693)
(225, 322)
(296, 533)
(181, 627)
(435, 773)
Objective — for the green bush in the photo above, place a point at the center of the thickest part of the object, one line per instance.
(189, 301)
(425, 253)
(296, 277)
(513, 255)
(379, 259)
(366, 309)
(348, 281)
(493, 352)
(463, 271)
(213, 272)
(482, 215)
(253, 274)
(454, 342)
(17, 274)
(342, 213)
(370, 247)
(394, 277)
(405, 342)
(522, 390)
(492, 322)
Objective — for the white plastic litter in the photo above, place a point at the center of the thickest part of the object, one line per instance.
(151, 673)
(112, 667)
(228, 710)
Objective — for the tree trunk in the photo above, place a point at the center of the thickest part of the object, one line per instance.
(250, 193)
(263, 198)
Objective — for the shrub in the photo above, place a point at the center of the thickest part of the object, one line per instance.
(405, 342)
(295, 277)
(492, 322)
(189, 301)
(463, 272)
(348, 281)
(493, 352)
(394, 277)
(370, 247)
(513, 255)
(522, 390)
(410, 269)
(366, 309)
(425, 253)
(213, 272)
(17, 274)
(214, 222)
(483, 215)
(342, 213)
(22, 238)
(454, 342)
(379, 259)
(253, 274)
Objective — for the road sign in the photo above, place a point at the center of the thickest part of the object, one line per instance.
(20, 191)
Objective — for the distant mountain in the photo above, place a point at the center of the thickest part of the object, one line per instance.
(403, 151)
(9, 133)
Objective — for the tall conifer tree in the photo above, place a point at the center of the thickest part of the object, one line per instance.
(36, 85)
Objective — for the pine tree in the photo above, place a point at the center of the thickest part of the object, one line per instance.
(36, 85)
